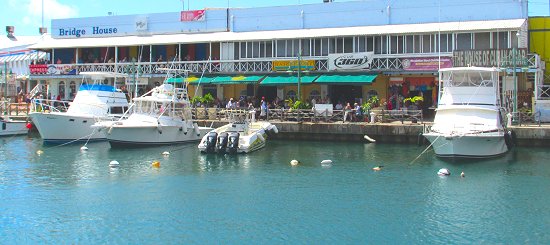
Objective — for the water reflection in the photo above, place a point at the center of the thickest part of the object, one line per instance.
(218, 162)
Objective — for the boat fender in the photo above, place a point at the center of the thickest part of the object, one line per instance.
(274, 129)
(369, 139)
(184, 127)
(196, 129)
(377, 168)
(261, 137)
(444, 172)
(510, 139)
(159, 127)
(294, 162)
(83, 148)
(233, 144)
(211, 139)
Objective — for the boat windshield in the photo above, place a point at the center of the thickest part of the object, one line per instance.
(468, 78)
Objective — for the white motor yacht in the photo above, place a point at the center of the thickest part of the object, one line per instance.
(93, 102)
(468, 121)
(161, 116)
(242, 135)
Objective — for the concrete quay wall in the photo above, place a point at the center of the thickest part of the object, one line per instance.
(530, 135)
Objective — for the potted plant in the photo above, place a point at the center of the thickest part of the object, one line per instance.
(208, 101)
(372, 102)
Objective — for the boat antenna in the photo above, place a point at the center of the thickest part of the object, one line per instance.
(202, 74)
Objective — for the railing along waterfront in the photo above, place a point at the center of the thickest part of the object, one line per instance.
(263, 65)
(309, 115)
(14, 109)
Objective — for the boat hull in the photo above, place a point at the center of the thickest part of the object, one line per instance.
(13, 128)
(61, 128)
(131, 136)
(469, 146)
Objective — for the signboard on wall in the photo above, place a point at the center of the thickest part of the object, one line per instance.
(192, 15)
(351, 61)
(491, 58)
(139, 80)
(45, 69)
(426, 63)
(292, 65)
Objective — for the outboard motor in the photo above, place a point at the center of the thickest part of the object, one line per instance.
(211, 142)
(222, 142)
(233, 145)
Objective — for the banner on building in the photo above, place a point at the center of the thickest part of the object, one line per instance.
(192, 15)
(351, 61)
(293, 65)
(426, 63)
(491, 58)
(44, 69)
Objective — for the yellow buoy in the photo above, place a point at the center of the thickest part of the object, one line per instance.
(155, 164)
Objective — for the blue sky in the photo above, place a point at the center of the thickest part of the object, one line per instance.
(26, 15)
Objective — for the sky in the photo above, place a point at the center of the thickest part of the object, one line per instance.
(26, 15)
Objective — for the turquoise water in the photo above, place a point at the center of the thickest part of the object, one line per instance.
(68, 196)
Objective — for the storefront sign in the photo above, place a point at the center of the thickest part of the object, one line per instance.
(140, 81)
(192, 15)
(491, 58)
(355, 61)
(82, 32)
(426, 64)
(292, 65)
(44, 69)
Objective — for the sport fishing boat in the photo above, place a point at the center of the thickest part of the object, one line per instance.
(242, 135)
(93, 102)
(468, 121)
(160, 117)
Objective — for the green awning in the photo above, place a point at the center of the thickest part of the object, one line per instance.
(287, 80)
(237, 79)
(350, 79)
(193, 80)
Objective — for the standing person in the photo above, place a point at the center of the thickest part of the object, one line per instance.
(358, 112)
(347, 112)
(231, 104)
(263, 108)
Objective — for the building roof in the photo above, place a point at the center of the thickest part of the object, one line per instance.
(467, 26)
(19, 42)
